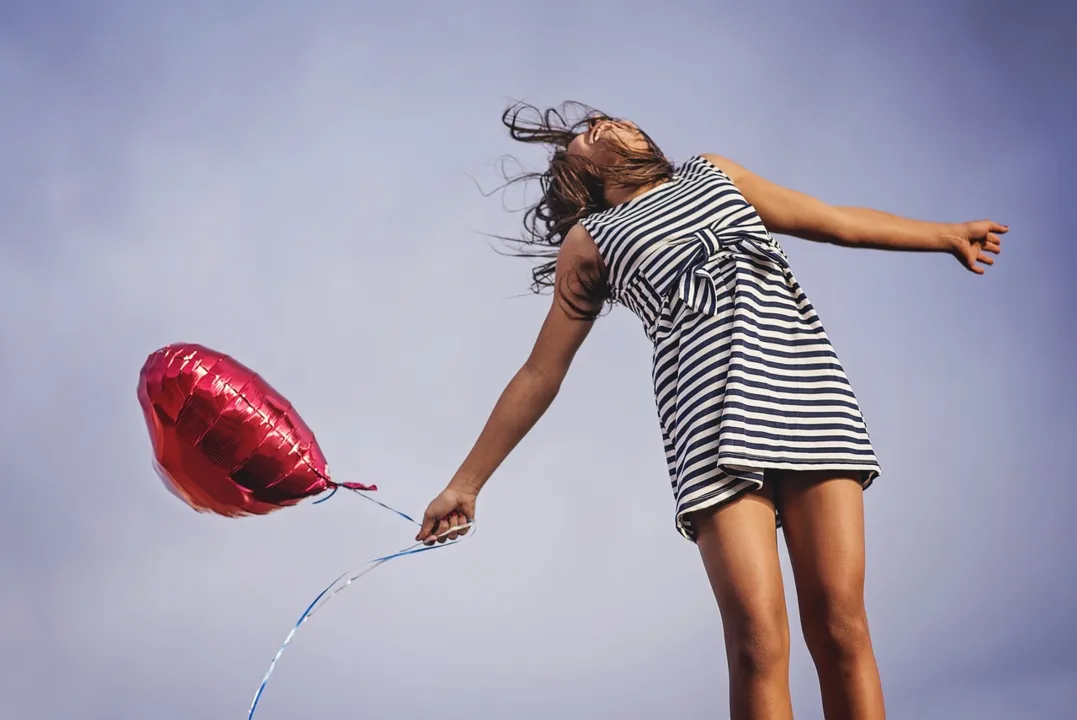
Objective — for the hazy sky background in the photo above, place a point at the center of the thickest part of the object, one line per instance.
(291, 184)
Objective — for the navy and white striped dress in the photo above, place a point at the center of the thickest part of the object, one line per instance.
(745, 377)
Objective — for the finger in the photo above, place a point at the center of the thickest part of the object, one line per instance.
(976, 269)
(463, 517)
(435, 529)
(454, 523)
(999, 228)
(443, 530)
(427, 526)
(993, 242)
(986, 259)
(431, 537)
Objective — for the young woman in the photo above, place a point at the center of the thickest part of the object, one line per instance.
(760, 425)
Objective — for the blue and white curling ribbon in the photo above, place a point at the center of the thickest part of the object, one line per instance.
(346, 579)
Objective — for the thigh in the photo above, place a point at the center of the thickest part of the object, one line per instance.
(739, 546)
(823, 521)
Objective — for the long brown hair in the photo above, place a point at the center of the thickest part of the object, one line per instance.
(572, 188)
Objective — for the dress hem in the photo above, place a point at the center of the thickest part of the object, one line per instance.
(739, 486)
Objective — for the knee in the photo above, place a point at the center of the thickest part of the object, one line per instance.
(836, 627)
(757, 646)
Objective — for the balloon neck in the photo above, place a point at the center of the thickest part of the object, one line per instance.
(357, 486)
(354, 487)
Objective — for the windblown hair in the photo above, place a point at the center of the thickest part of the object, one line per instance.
(572, 188)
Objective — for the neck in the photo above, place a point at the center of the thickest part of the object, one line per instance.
(617, 194)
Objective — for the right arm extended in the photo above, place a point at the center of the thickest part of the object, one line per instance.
(531, 390)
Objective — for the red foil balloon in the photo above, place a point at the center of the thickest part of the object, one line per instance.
(224, 440)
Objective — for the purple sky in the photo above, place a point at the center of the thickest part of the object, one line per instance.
(291, 184)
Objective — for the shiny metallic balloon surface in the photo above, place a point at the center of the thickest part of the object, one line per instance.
(224, 440)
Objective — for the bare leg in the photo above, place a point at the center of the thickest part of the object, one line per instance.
(739, 546)
(823, 518)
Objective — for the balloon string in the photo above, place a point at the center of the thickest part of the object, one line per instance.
(346, 579)
(363, 493)
(332, 492)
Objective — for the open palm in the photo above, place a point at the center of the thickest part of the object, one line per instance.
(975, 242)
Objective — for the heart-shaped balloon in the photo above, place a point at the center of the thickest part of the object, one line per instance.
(224, 440)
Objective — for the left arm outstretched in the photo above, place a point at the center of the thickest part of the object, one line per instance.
(789, 212)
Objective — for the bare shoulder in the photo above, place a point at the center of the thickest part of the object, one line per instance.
(783, 210)
(578, 249)
(734, 170)
(580, 276)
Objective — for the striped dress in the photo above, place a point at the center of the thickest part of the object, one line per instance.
(745, 377)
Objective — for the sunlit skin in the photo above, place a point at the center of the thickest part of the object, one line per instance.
(822, 512)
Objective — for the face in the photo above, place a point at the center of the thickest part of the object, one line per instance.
(597, 143)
